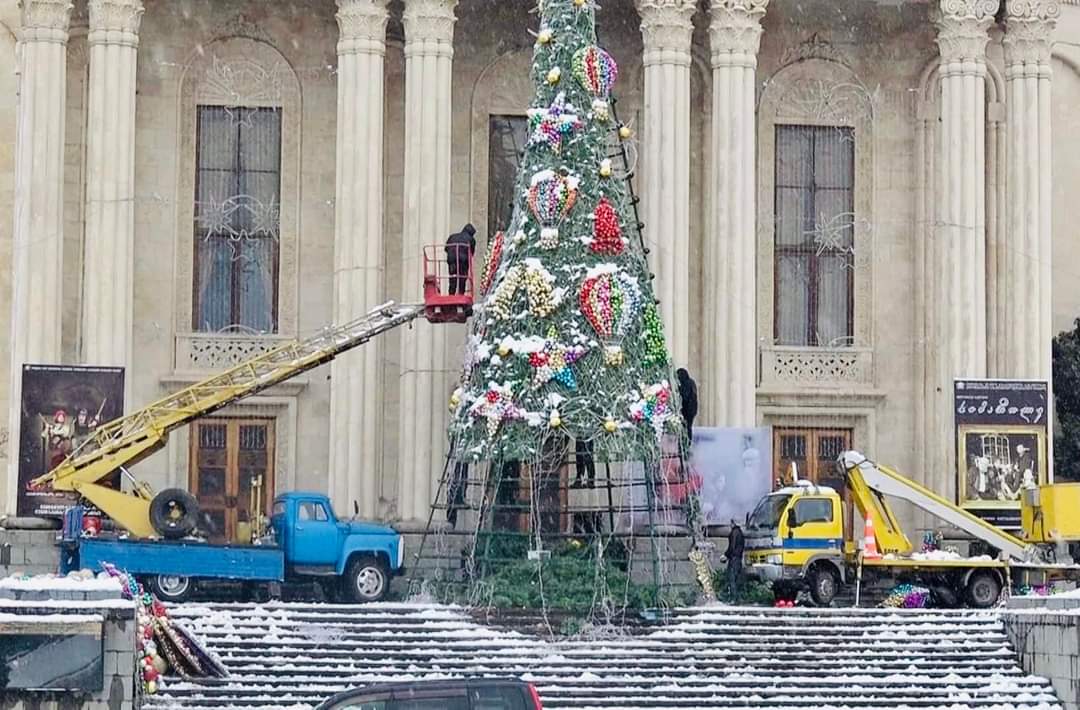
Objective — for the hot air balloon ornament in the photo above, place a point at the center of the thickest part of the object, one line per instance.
(551, 197)
(596, 71)
(654, 407)
(610, 299)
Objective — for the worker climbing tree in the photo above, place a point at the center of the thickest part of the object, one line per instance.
(566, 364)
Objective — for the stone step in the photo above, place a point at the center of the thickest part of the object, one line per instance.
(295, 655)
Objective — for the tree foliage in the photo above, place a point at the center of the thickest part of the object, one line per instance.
(1066, 360)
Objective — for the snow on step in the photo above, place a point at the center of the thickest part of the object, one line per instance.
(292, 656)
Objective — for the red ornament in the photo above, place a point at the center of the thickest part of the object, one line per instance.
(148, 632)
(538, 359)
(492, 263)
(492, 397)
(607, 234)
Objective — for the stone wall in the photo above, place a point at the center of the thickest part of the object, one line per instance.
(28, 552)
(1048, 643)
(58, 610)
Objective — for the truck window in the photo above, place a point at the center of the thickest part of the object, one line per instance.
(767, 513)
(312, 510)
(279, 508)
(814, 510)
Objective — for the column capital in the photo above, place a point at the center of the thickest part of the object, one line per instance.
(115, 21)
(735, 31)
(1029, 27)
(667, 29)
(362, 26)
(47, 20)
(962, 31)
(429, 21)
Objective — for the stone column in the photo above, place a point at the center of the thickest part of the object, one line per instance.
(37, 254)
(1026, 292)
(355, 416)
(666, 28)
(429, 54)
(959, 240)
(109, 261)
(730, 377)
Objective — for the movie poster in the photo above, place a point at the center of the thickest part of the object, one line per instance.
(62, 407)
(1001, 439)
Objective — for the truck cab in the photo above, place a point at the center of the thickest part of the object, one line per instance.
(317, 543)
(797, 534)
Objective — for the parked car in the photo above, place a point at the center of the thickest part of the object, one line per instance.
(469, 694)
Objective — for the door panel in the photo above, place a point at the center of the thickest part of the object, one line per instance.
(315, 535)
(228, 457)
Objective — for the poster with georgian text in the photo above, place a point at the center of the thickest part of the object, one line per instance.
(62, 408)
(1001, 444)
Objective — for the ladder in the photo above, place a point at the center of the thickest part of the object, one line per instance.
(130, 439)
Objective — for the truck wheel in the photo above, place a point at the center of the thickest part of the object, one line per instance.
(823, 585)
(366, 580)
(171, 587)
(983, 590)
(174, 513)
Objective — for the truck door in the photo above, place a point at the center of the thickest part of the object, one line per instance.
(817, 529)
(315, 538)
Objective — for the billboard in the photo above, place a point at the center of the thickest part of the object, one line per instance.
(735, 466)
(62, 407)
(1001, 442)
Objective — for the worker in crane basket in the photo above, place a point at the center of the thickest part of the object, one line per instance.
(460, 248)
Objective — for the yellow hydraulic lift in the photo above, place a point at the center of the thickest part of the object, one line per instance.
(130, 439)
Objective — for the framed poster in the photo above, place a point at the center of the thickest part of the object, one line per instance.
(62, 407)
(1001, 441)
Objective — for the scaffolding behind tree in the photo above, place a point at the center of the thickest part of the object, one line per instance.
(566, 365)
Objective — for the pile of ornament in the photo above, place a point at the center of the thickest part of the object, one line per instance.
(163, 644)
(908, 596)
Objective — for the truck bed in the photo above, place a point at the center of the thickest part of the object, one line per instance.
(185, 558)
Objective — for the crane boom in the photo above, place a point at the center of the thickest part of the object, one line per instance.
(890, 483)
(130, 439)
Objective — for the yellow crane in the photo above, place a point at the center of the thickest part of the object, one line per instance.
(130, 439)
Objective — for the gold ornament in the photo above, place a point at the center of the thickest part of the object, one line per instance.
(625, 132)
(580, 3)
(503, 351)
(554, 75)
(610, 426)
(555, 421)
(545, 36)
(605, 168)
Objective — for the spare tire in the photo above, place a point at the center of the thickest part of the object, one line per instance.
(174, 513)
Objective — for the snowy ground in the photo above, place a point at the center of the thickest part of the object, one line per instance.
(295, 655)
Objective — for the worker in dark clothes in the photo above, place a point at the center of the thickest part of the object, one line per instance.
(688, 396)
(460, 248)
(455, 496)
(584, 465)
(735, 546)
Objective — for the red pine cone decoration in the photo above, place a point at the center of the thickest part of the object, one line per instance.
(607, 234)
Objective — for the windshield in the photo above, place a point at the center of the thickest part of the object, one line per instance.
(767, 513)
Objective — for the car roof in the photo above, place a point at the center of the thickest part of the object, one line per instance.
(426, 685)
(291, 495)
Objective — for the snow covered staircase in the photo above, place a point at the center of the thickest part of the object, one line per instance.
(295, 655)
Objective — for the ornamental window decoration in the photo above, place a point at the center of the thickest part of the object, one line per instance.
(237, 218)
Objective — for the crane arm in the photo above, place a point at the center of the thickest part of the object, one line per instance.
(888, 482)
(130, 439)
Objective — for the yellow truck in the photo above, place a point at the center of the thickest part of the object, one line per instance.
(811, 537)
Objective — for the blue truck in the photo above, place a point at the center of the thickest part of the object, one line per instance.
(307, 543)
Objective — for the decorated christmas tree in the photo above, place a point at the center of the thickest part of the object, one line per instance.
(565, 358)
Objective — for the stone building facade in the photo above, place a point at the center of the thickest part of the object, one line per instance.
(848, 204)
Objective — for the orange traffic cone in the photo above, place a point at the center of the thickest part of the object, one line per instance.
(870, 551)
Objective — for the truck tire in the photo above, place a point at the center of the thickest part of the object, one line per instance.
(366, 580)
(824, 584)
(171, 588)
(174, 513)
(983, 590)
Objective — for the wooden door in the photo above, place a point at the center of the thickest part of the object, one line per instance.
(228, 456)
(813, 451)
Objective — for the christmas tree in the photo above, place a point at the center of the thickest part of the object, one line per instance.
(567, 340)
(566, 359)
